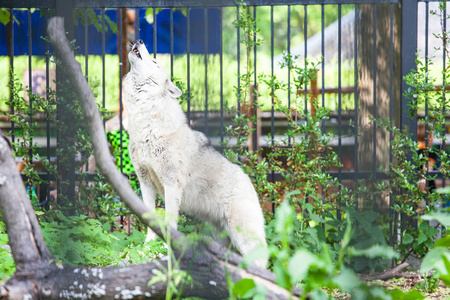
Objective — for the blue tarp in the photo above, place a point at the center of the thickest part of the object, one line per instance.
(197, 33)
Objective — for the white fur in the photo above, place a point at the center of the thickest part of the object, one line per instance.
(178, 163)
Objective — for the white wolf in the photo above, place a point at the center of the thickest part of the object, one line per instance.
(178, 163)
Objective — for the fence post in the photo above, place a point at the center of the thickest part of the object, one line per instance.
(408, 57)
(64, 8)
(408, 44)
(66, 131)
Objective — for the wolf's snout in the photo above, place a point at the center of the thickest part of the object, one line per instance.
(135, 48)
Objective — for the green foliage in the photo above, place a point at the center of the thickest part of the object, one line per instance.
(429, 284)
(23, 114)
(438, 258)
(4, 15)
(409, 171)
(411, 295)
(411, 167)
(7, 266)
(317, 274)
(94, 19)
(78, 240)
(176, 279)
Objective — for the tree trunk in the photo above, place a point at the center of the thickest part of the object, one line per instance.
(375, 84)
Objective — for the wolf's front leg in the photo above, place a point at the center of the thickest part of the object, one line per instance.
(148, 196)
(172, 198)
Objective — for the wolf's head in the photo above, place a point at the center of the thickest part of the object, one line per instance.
(148, 74)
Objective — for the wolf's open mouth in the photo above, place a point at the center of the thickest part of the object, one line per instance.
(135, 49)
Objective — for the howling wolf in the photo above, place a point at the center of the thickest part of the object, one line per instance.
(178, 163)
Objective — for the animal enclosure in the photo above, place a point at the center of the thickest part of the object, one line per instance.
(358, 50)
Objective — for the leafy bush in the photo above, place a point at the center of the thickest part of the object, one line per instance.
(7, 266)
(438, 258)
(78, 240)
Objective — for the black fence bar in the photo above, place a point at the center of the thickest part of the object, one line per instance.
(444, 74)
(305, 49)
(289, 68)
(205, 11)
(11, 65)
(339, 176)
(86, 43)
(188, 59)
(65, 136)
(137, 27)
(322, 51)
(427, 8)
(47, 121)
(30, 86)
(171, 41)
(121, 72)
(155, 33)
(103, 61)
(238, 58)
(339, 88)
(356, 98)
(255, 88)
(391, 118)
(221, 131)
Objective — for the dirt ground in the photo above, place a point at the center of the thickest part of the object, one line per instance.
(432, 288)
(436, 289)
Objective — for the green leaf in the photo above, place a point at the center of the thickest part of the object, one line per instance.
(347, 280)
(243, 288)
(4, 16)
(407, 239)
(398, 294)
(375, 251)
(317, 218)
(443, 242)
(433, 260)
(285, 215)
(281, 276)
(300, 263)
(446, 277)
(106, 226)
(445, 190)
(422, 238)
(441, 217)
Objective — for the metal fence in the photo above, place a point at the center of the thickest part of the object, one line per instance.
(364, 47)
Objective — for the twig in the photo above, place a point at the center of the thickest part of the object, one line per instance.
(386, 274)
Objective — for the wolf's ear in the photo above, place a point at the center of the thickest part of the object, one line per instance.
(173, 90)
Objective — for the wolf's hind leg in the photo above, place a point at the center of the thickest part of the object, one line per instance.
(247, 234)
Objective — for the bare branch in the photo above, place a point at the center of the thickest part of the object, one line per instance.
(386, 275)
(27, 246)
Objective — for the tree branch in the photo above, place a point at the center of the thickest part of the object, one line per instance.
(386, 275)
(28, 246)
